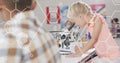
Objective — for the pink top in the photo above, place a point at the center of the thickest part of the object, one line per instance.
(106, 47)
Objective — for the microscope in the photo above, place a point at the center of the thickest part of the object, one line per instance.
(67, 38)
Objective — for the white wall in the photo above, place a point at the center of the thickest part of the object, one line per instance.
(43, 4)
(110, 8)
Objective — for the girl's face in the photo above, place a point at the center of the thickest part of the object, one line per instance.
(79, 20)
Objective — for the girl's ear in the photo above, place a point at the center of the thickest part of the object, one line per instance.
(0, 8)
(0, 5)
(34, 4)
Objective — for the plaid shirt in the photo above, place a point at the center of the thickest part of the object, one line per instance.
(22, 40)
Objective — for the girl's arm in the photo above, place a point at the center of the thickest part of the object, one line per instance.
(95, 35)
(90, 44)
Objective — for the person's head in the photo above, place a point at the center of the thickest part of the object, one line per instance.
(9, 8)
(68, 24)
(114, 20)
(80, 13)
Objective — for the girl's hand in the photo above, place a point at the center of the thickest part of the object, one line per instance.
(78, 52)
(74, 55)
(77, 49)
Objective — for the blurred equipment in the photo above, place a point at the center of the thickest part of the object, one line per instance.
(90, 56)
(118, 30)
(66, 37)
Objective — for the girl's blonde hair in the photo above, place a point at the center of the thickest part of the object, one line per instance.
(79, 8)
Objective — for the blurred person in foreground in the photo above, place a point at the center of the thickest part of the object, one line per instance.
(22, 38)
